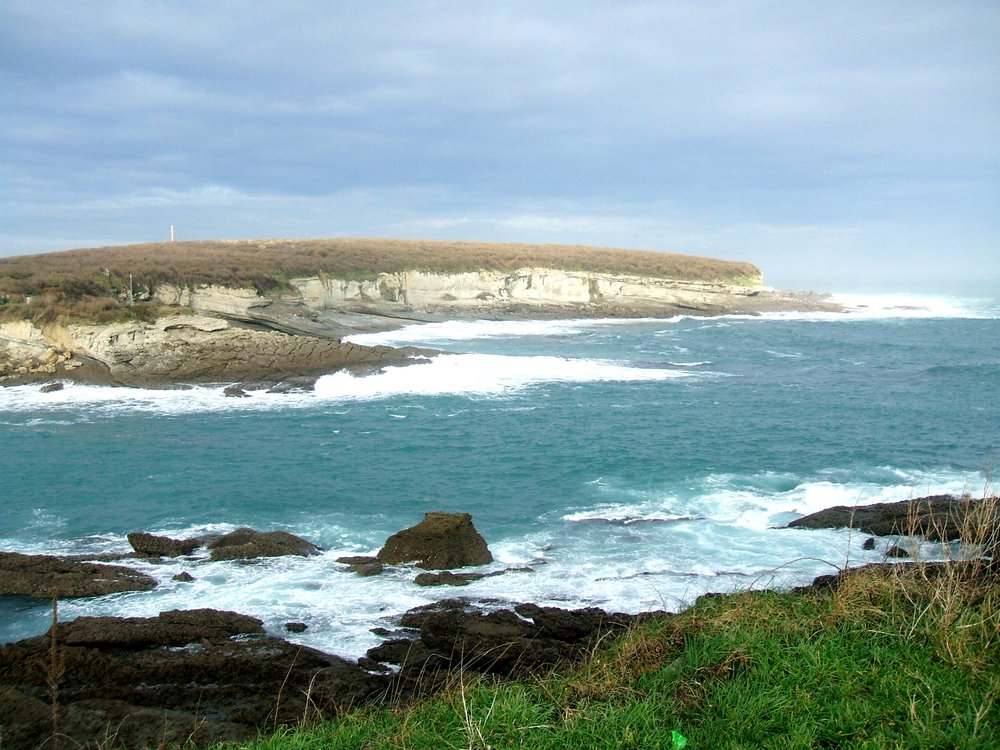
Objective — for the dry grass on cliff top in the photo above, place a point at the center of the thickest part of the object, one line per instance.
(267, 264)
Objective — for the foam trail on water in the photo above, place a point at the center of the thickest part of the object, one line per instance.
(454, 374)
(470, 330)
(482, 374)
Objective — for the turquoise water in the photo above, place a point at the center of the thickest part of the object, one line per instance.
(632, 465)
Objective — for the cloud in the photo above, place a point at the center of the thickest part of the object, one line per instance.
(553, 121)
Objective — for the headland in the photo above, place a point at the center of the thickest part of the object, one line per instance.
(274, 310)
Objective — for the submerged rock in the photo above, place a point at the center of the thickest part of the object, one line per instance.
(363, 565)
(247, 544)
(46, 577)
(440, 541)
(447, 578)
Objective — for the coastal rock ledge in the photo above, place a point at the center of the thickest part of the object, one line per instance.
(46, 577)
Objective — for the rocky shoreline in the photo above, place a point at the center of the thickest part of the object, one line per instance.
(202, 676)
(212, 333)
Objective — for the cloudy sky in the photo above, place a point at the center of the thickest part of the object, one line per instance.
(841, 145)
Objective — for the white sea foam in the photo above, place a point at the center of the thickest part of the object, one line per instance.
(459, 374)
(482, 374)
(887, 306)
(755, 503)
(470, 330)
(634, 553)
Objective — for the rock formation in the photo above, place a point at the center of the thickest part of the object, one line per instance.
(168, 680)
(149, 545)
(937, 518)
(46, 577)
(247, 544)
(233, 334)
(440, 541)
(506, 642)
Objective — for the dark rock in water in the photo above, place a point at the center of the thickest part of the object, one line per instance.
(869, 543)
(440, 541)
(183, 577)
(938, 518)
(149, 545)
(357, 559)
(234, 391)
(161, 681)
(363, 565)
(45, 576)
(291, 385)
(295, 627)
(246, 544)
(367, 569)
(897, 551)
(504, 642)
(51, 387)
(447, 578)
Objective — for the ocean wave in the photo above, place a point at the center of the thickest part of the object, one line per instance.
(482, 375)
(471, 330)
(766, 500)
(445, 374)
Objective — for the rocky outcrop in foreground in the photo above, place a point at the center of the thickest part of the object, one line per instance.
(527, 639)
(201, 676)
(204, 676)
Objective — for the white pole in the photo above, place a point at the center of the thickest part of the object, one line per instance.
(171, 232)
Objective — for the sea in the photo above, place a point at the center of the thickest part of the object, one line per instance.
(631, 465)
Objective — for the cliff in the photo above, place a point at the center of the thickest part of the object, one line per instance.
(326, 305)
(176, 348)
(254, 319)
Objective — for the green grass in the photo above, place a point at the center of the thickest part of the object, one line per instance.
(899, 658)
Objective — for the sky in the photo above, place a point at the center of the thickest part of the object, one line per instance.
(839, 146)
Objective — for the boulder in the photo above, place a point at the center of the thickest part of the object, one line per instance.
(235, 391)
(46, 576)
(148, 545)
(51, 387)
(440, 541)
(183, 577)
(247, 544)
(296, 627)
